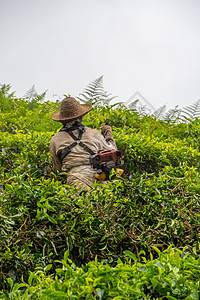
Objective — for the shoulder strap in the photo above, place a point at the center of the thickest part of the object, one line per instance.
(86, 148)
(75, 126)
(75, 138)
(65, 151)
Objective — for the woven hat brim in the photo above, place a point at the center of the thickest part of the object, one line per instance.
(56, 115)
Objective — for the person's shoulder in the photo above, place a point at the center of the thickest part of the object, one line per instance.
(55, 136)
(93, 132)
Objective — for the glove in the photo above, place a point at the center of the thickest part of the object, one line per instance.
(105, 129)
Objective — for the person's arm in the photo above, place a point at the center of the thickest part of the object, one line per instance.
(106, 131)
(56, 164)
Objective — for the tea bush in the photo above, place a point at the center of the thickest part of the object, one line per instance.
(174, 275)
(153, 206)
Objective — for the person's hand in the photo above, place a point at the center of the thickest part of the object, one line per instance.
(105, 129)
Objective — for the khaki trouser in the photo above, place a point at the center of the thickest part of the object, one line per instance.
(79, 182)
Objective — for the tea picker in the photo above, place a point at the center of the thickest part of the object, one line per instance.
(83, 153)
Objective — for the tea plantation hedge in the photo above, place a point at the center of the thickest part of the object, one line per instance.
(135, 238)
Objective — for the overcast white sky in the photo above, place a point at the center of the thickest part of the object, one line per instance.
(150, 46)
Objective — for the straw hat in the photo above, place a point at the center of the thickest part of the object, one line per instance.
(70, 109)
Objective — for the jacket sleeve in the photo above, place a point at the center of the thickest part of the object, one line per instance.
(56, 164)
(106, 131)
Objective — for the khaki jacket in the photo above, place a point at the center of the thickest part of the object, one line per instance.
(76, 163)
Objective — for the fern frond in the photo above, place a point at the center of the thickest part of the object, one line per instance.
(191, 112)
(172, 116)
(4, 91)
(111, 98)
(7, 98)
(94, 93)
(143, 110)
(40, 97)
(133, 105)
(159, 112)
(30, 94)
(33, 97)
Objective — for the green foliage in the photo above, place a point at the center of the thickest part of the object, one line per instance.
(174, 275)
(136, 218)
(26, 114)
